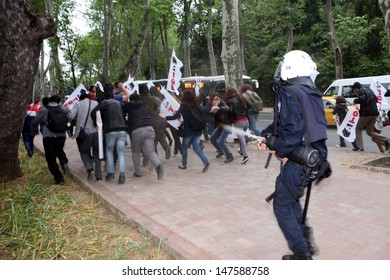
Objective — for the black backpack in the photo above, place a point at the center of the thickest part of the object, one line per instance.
(57, 119)
(197, 122)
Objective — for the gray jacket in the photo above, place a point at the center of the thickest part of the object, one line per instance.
(79, 112)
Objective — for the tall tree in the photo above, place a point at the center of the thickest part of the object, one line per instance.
(338, 57)
(186, 38)
(55, 70)
(209, 37)
(108, 17)
(385, 8)
(231, 52)
(133, 64)
(22, 31)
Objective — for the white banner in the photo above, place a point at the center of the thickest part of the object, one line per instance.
(169, 106)
(99, 123)
(131, 85)
(380, 92)
(74, 97)
(197, 87)
(348, 126)
(99, 84)
(174, 74)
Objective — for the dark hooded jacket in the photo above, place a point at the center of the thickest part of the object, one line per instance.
(137, 114)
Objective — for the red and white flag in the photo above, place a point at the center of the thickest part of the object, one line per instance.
(174, 74)
(169, 106)
(348, 126)
(380, 92)
(74, 97)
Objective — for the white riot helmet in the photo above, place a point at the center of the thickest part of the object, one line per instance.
(296, 64)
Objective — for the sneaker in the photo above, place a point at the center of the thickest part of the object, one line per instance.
(206, 167)
(230, 159)
(66, 169)
(239, 152)
(110, 176)
(137, 175)
(244, 160)
(182, 167)
(91, 174)
(121, 179)
(358, 149)
(98, 178)
(338, 146)
(303, 256)
(220, 154)
(160, 172)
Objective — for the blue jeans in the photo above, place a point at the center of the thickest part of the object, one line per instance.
(116, 139)
(194, 140)
(218, 139)
(252, 124)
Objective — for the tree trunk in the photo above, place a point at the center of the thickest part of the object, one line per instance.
(338, 58)
(55, 70)
(133, 65)
(209, 37)
(290, 39)
(231, 54)
(186, 39)
(385, 8)
(22, 31)
(108, 14)
(152, 53)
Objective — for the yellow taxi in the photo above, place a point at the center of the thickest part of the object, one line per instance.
(329, 104)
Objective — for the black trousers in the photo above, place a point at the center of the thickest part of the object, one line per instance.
(54, 148)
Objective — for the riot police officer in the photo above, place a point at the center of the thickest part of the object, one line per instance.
(299, 120)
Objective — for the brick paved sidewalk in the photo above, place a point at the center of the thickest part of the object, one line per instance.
(222, 214)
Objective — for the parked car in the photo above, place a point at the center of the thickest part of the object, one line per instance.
(329, 104)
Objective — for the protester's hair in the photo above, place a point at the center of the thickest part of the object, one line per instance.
(134, 97)
(55, 99)
(215, 94)
(246, 87)
(83, 96)
(231, 92)
(91, 88)
(45, 101)
(108, 91)
(155, 92)
(340, 99)
(356, 85)
(37, 101)
(116, 84)
(189, 98)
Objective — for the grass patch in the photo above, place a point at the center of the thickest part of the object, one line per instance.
(42, 221)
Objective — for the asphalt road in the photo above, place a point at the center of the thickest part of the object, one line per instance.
(333, 139)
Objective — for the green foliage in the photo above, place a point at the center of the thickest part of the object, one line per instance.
(263, 24)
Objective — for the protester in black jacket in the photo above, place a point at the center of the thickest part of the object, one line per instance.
(368, 113)
(115, 132)
(142, 135)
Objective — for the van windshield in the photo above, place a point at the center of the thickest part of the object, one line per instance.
(332, 91)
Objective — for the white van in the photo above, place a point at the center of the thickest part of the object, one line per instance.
(344, 87)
